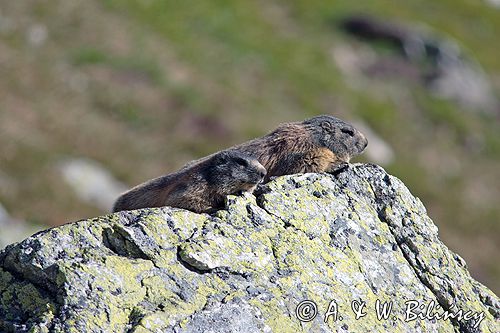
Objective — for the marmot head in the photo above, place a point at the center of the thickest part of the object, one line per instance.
(233, 172)
(340, 137)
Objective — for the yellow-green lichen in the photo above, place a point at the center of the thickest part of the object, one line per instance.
(306, 237)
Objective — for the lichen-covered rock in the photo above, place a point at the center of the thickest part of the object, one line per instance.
(311, 253)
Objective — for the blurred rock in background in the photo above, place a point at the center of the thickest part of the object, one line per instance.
(91, 182)
(378, 151)
(494, 3)
(14, 230)
(417, 54)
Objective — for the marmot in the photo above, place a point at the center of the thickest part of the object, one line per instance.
(318, 144)
(200, 188)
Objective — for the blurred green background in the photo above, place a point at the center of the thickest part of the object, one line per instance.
(97, 96)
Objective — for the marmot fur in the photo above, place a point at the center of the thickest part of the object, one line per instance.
(318, 144)
(200, 188)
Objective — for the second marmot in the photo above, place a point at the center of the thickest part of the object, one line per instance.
(201, 188)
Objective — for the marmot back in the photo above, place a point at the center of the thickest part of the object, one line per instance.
(200, 188)
(318, 144)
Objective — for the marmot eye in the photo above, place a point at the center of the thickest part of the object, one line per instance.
(347, 131)
(242, 162)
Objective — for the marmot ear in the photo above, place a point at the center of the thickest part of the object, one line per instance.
(222, 157)
(326, 126)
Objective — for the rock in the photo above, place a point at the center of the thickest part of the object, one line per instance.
(37, 34)
(333, 240)
(493, 3)
(419, 53)
(91, 182)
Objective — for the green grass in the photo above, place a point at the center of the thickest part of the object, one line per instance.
(89, 56)
(135, 63)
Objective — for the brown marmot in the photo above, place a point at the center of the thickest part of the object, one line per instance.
(200, 188)
(318, 144)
